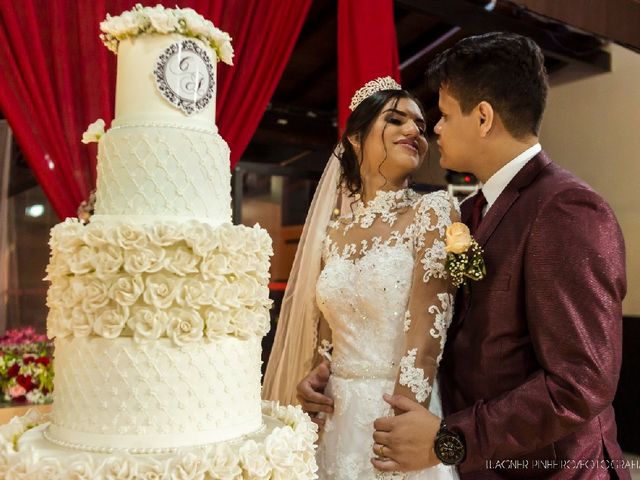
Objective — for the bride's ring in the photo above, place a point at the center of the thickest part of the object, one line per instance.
(381, 451)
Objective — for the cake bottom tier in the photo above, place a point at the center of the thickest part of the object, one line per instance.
(284, 448)
(156, 397)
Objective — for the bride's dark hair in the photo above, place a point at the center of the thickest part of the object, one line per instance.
(358, 126)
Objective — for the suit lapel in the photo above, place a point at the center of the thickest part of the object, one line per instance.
(509, 195)
(493, 217)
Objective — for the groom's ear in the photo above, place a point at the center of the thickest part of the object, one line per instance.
(486, 117)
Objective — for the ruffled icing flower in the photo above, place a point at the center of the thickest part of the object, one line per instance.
(75, 292)
(217, 323)
(185, 326)
(254, 461)
(66, 236)
(181, 261)
(119, 467)
(161, 290)
(201, 237)
(46, 469)
(131, 237)
(164, 234)
(56, 293)
(57, 323)
(223, 463)
(81, 323)
(107, 261)
(81, 260)
(246, 322)
(188, 466)
(96, 295)
(147, 324)
(151, 470)
(57, 268)
(81, 467)
(110, 323)
(248, 290)
(231, 238)
(97, 236)
(281, 448)
(149, 259)
(215, 266)
(229, 293)
(127, 289)
(195, 293)
(18, 470)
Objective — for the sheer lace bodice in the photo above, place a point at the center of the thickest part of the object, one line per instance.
(386, 300)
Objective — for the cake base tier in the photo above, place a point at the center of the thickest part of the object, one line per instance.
(284, 448)
(157, 396)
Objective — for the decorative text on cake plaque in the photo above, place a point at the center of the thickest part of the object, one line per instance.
(185, 76)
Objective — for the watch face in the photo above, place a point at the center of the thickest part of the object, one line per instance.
(185, 76)
(450, 449)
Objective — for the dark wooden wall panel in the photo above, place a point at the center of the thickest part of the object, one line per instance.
(618, 20)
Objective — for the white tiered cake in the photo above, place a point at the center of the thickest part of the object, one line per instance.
(159, 304)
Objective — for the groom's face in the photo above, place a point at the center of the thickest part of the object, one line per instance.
(457, 134)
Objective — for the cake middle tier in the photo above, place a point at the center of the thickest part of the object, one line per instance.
(118, 395)
(163, 171)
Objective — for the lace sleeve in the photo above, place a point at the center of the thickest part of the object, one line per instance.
(430, 306)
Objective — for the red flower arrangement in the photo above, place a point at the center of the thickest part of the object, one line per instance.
(26, 369)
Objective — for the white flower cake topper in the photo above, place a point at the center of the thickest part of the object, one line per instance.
(185, 21)
(369, 88)
(93, 132)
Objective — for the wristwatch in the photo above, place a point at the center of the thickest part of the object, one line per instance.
(449, 446)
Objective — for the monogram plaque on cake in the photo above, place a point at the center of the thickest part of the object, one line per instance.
(185, 76)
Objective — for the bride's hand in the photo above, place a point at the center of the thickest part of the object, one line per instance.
(405, 442)
(311, 392)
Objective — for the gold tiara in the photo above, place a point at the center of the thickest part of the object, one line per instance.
(369, 88)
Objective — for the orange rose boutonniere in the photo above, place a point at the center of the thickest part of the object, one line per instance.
(464, 255)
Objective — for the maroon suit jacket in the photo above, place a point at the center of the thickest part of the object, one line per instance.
(533, 355)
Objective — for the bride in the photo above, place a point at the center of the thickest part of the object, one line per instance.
(368, 302)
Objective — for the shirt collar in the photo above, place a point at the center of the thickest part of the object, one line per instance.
(499, 180)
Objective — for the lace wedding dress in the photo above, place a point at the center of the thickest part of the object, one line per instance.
(386, 305)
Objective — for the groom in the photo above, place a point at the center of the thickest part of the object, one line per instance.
(533, 354)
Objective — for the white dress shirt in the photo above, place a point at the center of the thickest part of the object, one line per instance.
(499, 180)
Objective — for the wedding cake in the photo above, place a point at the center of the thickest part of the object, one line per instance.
(159, 304)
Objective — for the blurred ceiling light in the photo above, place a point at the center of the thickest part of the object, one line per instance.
(35, 211)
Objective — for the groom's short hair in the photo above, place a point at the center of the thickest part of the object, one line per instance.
(505, 69)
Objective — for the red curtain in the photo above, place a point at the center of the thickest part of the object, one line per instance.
(367, 47)
(57, 77)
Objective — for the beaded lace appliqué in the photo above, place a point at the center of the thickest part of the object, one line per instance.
(385, 204)
(407, 321)
(433, 261)
(444, 315)
(413, 377)
(432, 213)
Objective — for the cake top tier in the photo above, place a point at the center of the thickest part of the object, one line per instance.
(184, 21)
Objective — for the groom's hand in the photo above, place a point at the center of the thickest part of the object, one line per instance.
(311, 392)
(405, 442)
